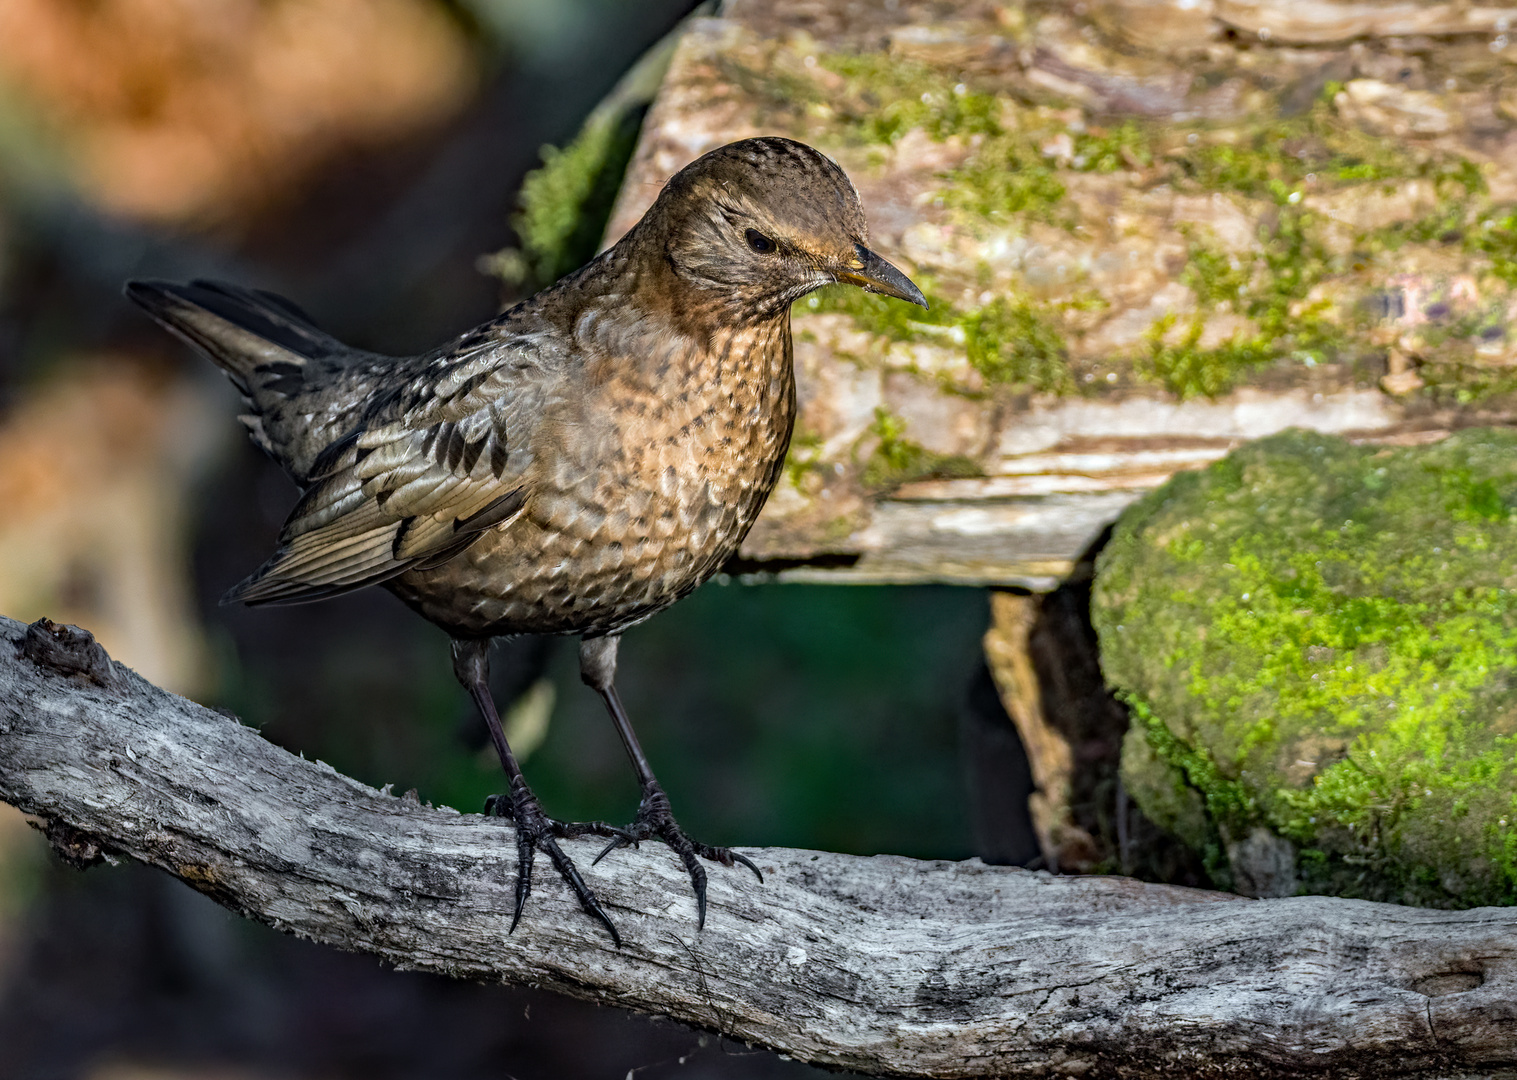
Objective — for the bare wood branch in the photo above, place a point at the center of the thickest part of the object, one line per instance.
(884, 965)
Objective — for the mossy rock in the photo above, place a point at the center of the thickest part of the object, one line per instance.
(1318, 642)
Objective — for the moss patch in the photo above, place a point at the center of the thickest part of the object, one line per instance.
(1188, 370)
(888, 96)
(1322, 639)
(565, 204)
(897, 460)
(1496, 238)
(1006, 178)
(1010, 341)
(1267, 286)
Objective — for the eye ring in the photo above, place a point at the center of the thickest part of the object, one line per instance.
(759, 242)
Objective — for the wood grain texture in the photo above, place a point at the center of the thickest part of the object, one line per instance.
(884, 965)
(1116, 262)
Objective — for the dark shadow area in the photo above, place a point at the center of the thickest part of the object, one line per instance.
(1077, 704)
(997, 777)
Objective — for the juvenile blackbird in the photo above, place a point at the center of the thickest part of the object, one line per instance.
(571, 467)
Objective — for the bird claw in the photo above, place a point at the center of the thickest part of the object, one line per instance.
(655, 821)
(535, 832)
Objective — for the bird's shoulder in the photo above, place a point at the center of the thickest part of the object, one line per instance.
(442, 452)
(502, 368)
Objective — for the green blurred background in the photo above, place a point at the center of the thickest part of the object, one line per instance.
(360, 157)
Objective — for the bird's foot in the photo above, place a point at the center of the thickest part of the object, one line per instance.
(536, 831)
(655, 821)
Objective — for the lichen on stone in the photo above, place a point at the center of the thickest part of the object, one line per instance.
(1321, 639)
(887, 96)
(1009, 341)
(897, 460)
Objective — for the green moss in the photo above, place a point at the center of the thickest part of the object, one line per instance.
(565, 203)
(1466, 383)
(1006, 177)
(1496, 238)
(1166, 769)
(1187, 370)
(1292, 261)
(1278, 155)
(1322, 640)
(887, 96)
(1009, 341)
(1216, 277)
(1010, 176)
(1108, 150)
(1012, 343)
(897, 460)
(1267, 286)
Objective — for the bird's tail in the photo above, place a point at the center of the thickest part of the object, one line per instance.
(260, 340)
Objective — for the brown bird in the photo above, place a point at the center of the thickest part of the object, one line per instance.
(571, 467)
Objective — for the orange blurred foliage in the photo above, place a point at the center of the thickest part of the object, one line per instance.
(95, 475)
(199, 111)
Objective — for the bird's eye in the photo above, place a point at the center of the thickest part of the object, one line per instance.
(759, 242)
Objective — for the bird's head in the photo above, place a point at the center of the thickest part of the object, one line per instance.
(762, 222)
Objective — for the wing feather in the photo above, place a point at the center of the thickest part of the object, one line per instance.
(427, 471)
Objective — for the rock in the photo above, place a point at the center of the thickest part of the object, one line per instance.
(1402, 382)
(1318, 644)
(1391, 109)
(1263, 865)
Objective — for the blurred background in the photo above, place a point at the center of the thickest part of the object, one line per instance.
(361, 157)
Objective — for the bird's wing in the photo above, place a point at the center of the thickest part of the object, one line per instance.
(433, 463)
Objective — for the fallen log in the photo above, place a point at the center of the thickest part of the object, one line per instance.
(1151, 230)
(882, 965)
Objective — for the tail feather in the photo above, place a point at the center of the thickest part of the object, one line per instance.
(303, 388)
(245, 332)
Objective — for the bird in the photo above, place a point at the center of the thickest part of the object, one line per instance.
(574, 465)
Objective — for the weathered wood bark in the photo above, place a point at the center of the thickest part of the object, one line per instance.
(884, 965)
(1151, 230)
(1066, 847)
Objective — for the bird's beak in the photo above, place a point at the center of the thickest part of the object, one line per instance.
(873, 274)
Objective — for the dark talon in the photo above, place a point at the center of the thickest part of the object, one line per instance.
(655, 821)
(526, 853)
(616, 842)
(534, 831)
(587, 899)
(749, 864)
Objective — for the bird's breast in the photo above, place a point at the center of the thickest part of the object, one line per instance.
(681, 446)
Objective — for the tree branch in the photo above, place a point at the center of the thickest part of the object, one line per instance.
(884, 965)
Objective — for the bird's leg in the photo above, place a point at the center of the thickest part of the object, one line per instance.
(534, 830)
(655, 819)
